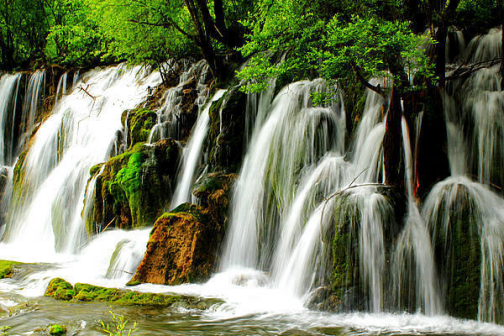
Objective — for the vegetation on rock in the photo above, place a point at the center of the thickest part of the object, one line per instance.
(57, 330)
(6, 268)
(134, 187)
(88, 293)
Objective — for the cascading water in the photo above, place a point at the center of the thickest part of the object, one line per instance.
(169, 115)
(292, 136)
(192, 154)
(464, 215)
(46, 211)
(61, 89)
(31, 104)
(307, 208)
(9, 85)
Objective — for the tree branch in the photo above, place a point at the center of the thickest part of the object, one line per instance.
(361, 78)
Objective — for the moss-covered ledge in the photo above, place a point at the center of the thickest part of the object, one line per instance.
(7, 269)
(60, 289)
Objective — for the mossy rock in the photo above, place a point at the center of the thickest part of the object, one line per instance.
(182, 248)
(133, 187)
(6, 268)
(457, 253)
(345, 288)
(60, 290)
(90, 293)
(57, 330)
(140, 122)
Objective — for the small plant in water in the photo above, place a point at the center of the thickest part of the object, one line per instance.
(3, 330)
(118, 326)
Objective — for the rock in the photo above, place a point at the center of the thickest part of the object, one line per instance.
(6, 268)
(188, 108)
(134, 187)
(182, 248)
(213, 192)
(457, 253)
(60, 290)
(226, 134)
(140, 122)
(90, 293)
(57, 330)
(345, 288)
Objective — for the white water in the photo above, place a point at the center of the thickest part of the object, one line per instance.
(32, 103)
(294, 134)
(169, 115)
(80, 133)
(9, 85)
(192, 154)
(284, 243)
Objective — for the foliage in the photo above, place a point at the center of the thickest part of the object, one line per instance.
(75, 39)
(118, 327)
(344, 47)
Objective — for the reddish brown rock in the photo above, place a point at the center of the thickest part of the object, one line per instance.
(182, 248)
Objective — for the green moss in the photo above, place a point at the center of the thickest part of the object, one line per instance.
(60, 290)
(140, 123)
(90, 293)
(6, 268)
(191, 210)
(57, 330)
(134, 186)
(95, 169)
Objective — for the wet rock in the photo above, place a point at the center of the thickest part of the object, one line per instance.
(213, 193)
(133, 187)
(60, 290)
(345, 287)
(57, 330)
(7, 268)
(182, 248)
(226, 134)
(457, 253)
(140, 122)
(90, 293)
(188, 108)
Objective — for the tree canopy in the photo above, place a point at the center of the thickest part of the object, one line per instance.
(335, 39)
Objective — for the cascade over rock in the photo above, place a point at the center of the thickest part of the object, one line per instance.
(396, 212)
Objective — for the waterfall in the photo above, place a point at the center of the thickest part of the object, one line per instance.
(170, 114)
(192, 154)
(80, 133)
(9, 85)
(61, 89)
(32, 103)
(294, 135)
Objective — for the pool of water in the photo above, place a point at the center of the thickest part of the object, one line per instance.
(249, 308)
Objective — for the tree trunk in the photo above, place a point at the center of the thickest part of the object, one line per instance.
(440, 54)
(392, 143)
(432, 164)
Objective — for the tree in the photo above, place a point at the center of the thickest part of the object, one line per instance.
(158, 29)
(347, 48)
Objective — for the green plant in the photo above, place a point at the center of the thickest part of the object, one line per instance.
(118, 327)
(3, 330)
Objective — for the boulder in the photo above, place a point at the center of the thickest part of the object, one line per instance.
(132, 188)
(182, 247)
